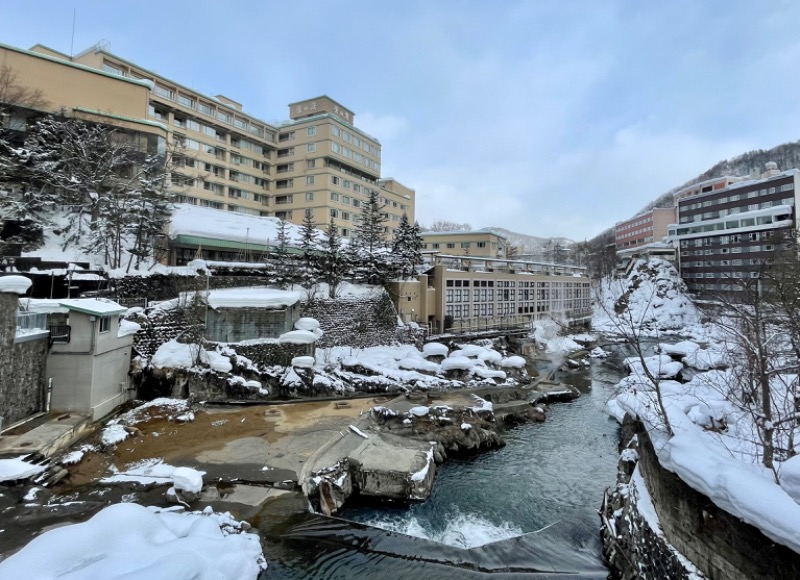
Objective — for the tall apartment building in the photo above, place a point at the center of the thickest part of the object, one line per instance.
(728, 234)
(326, 168)
(317, 163)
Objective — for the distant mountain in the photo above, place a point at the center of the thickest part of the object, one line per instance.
(530, 244)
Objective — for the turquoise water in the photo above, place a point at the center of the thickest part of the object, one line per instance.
(526, 510)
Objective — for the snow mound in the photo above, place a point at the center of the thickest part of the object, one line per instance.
(187, 479)
(127, 540)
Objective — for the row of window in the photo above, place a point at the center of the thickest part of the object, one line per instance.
(487, 310)
(734, 250)
(730, 239)
(735, 197)
(725, 263)
(729, 225)
(356, 157)
(734, 210)
(354, 140)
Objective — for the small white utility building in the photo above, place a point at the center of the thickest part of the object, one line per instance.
(89, 370)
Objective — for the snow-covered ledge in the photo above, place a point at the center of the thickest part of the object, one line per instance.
(33, 325)
(15, 284)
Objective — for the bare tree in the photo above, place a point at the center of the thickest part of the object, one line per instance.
(448, 226)
(630, 327)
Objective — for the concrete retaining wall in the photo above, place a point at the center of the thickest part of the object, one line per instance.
(719, 544)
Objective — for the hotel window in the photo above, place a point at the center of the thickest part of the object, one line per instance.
(336, 132)
(451, 245)
(310, 196)
(311, 131)
(335, 180)
(165, 92)
(334, 213)
(186, 101)
(224, 117)
(311, 163)
(309, 180)
(334, 196)
(311, 147)
(336, 148)
(110, 68)
(345, 215)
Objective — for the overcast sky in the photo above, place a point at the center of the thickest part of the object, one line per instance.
(551, 118)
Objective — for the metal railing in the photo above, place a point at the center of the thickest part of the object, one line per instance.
(60, 333)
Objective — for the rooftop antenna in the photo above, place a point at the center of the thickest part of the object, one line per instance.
(72, 41)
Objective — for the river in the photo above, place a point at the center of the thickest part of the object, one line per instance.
(528, 510)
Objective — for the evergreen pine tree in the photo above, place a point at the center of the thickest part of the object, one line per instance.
(308, 273)
(281, 261)
(333, 263)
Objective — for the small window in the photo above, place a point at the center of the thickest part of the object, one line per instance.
(105, 323)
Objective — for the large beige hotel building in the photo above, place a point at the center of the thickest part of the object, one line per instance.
(317, 163)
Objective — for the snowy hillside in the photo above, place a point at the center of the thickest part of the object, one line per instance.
(527, 244)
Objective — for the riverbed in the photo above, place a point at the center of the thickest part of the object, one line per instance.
(526, 510)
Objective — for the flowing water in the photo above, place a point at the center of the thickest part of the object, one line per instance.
(526, 510)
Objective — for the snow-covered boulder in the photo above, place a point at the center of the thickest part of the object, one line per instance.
(298, 337)
(660, 366)
(680, 349)
(706, 359)
(307, 323)
(187, 479)
(513, 362)
(434, 349)
(460, 363)
(303, 362)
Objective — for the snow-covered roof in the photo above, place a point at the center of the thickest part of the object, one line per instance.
(190, 220)
(253, 297)
(94, 306)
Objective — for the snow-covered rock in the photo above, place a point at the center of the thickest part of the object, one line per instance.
(187, 479)
(434, 349)
(298, 337)
(303, 362)
(307, 323)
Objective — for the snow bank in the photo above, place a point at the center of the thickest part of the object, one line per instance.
(252, 297)
(127, 540)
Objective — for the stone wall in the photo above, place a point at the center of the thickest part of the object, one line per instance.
(168, 286)
(358, 322)
(719, 544)
(22, 367)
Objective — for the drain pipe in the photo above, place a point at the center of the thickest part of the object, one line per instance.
(49, 395)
